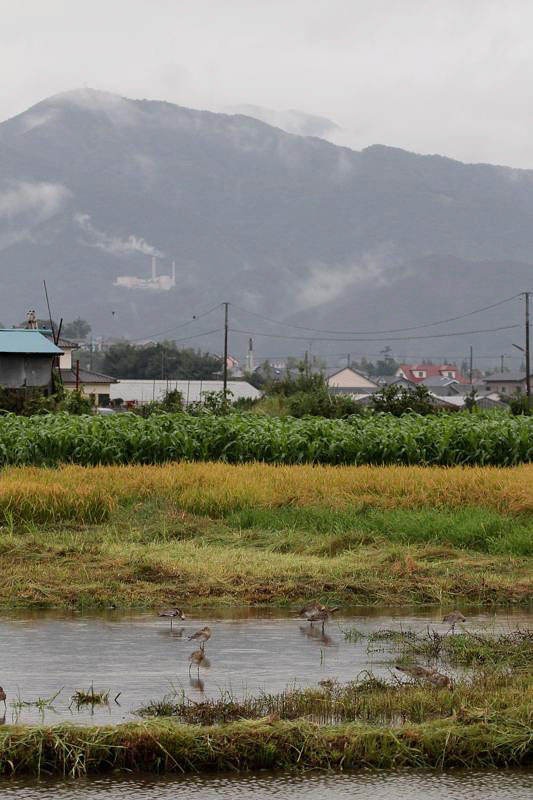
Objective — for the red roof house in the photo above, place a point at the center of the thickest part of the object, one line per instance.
(420, 372)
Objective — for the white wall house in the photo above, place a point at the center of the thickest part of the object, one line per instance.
(346, 380)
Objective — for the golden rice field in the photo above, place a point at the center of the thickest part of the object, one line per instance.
(89, 494)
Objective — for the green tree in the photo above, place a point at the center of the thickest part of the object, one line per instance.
(77, 329)
(158, 361)
(399, 400)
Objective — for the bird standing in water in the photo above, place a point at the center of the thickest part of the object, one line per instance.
(315, 612)
(3, 697)
(196, 657)
(202, 636)
(172, 613)
(453, 618)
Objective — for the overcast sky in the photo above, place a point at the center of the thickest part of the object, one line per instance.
(452, 77)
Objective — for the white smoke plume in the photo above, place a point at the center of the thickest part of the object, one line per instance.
(114, 244)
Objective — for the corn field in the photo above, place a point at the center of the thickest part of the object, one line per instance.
(454, 440)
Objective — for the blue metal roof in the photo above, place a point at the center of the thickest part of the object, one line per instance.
(22, 340)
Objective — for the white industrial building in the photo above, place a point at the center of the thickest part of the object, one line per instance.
(155, 281)
(148, 391)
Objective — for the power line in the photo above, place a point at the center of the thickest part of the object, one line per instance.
(426, 357)
(196, 335)
(392, 330)
(386, 339)
(195, 317)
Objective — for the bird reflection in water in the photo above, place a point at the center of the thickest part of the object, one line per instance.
(196, 683)
(317, 634)
(173, 633)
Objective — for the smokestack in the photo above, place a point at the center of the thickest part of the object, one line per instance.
(250, 356)
(173, 273)
(153, 268)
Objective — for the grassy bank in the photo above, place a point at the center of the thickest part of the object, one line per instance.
(201, 534)
(456, 439)
(164, 746)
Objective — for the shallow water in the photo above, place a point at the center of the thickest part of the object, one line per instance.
(143, 659)
(344, 786)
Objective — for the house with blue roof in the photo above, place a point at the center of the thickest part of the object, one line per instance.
(26, 359)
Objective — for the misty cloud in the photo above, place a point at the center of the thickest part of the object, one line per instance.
(114, 244)
(118, 109)
(292, 121)
(325, 283)
(38, 200)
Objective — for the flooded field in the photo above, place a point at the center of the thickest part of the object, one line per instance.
(346, 786)
(139, 658)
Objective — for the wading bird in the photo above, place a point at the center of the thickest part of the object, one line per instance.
(172, 613)
(2, 697)
(430, 675)
(202, 636)
(453, 618)
(315, 612)
(196, 657)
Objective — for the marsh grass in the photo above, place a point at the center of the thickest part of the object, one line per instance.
(366, 699)
(158, 746)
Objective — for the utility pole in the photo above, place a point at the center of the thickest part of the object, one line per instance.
(501, 363)
(528, 362)
(225, 371)
(471, 363)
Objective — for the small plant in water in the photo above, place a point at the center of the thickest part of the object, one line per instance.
(353, 635)
(88, 697)
(42, 703)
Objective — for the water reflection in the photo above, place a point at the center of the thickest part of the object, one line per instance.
(197, 683)
(264, 786)
(317, 634)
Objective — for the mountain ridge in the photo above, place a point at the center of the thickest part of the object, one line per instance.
(296, 227)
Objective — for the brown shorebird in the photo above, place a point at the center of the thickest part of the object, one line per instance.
(202, 636)
(431, 675)
(315, 612)
(196, 657)
(2, 697)
(172, 613)
(438, 679)
(415, 671)
(453, 618)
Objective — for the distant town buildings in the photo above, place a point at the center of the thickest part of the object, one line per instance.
(347, 380)
(417, 373)
(92, 384)
(506, 383)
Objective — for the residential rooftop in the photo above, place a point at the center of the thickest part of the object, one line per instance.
(27, 342)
